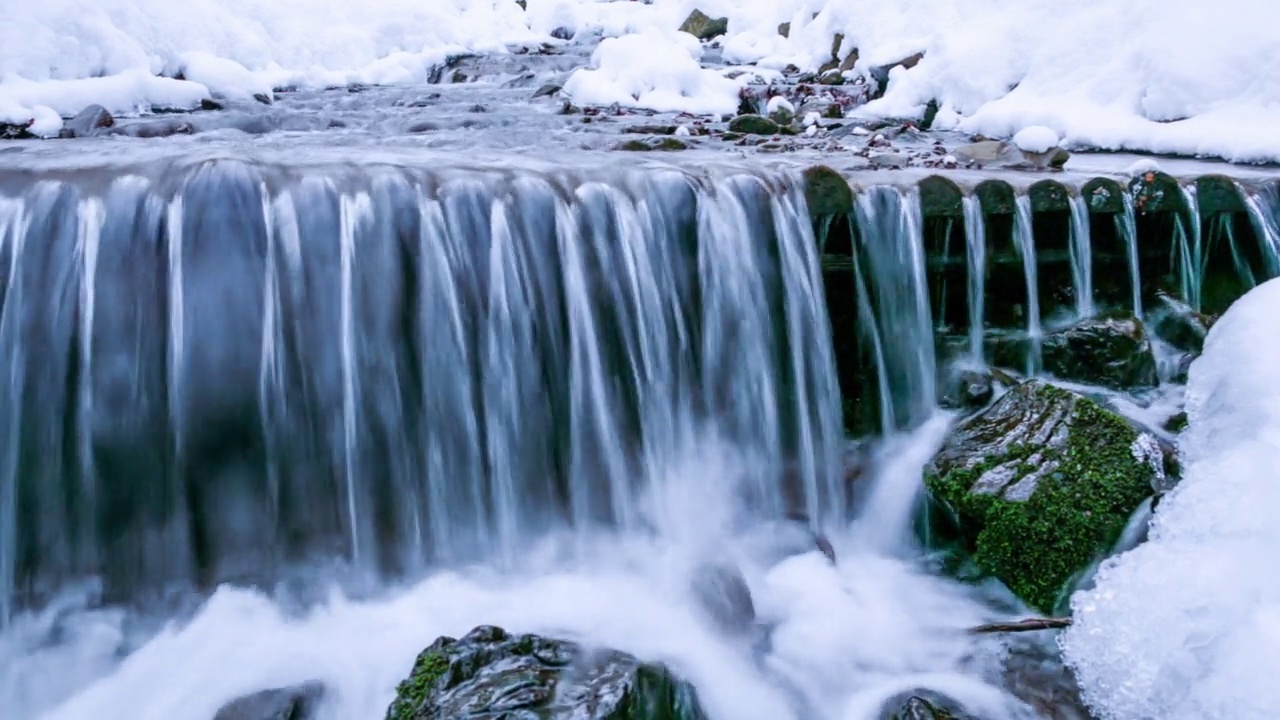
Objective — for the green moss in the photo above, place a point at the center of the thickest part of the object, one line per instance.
(1036, 547)
(412, 692)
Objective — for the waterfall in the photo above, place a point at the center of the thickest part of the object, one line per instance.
(1189, 248)
(1081, 257)
(1127, 227)
(1024, 242)
(895, 311)
(975, 237)
(230, 370)
(1262, 207)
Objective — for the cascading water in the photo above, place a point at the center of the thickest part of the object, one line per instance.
(895, 314)
(1025, 243)
(414, 370)
(975, 237)
(1127, 228)
(1081, 257)
(1188, 242)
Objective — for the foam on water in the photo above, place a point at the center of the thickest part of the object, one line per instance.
(845, 638)
(1187, 625)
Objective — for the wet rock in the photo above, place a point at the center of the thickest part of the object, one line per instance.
(784, 29)
(651, 129)
(725, 597)
(1177, 324)
(826, 192)
(1040, 484)
(423, 126)
(88, 122)
(1036, 675)
(301, 702)
(14, 131)
(880, 75)
(490, 673)
(923, 705)
(753, 125)
(967, 390)
(562, 33)
(1112, 351)
(699, 25)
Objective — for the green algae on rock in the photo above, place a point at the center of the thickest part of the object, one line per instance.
(1041, 484)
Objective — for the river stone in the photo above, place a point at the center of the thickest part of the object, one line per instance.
(1041, 484)
(703, 27)
(753, 125)
(1000, 154)
(1114, 352)
(826, 192)
(492, 674)
(300, 702)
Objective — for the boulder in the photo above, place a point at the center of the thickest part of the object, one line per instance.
(753, 125)
(1110, 351)
(1178, 324)
(300, 702)
(703, 27)
(1041, 484)
(1035, 674)
(492, 674)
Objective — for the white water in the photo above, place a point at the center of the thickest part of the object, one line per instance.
(1127, 226)
(1187, 625)
(846, 638)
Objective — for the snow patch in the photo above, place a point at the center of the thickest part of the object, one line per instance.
(1187, 625)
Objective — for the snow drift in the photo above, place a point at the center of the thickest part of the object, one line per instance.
(1187, 626)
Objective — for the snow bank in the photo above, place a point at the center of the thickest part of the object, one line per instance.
(1187, 626)
(230, 48)
(656, 71)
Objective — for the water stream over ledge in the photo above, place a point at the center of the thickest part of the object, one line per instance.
(376, 404)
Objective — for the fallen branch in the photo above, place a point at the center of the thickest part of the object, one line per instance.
(1027, 625)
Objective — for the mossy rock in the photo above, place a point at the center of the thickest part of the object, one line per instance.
(754, 125)
(703, 26)
(490, 673)
(826, 192)
(1041, 484)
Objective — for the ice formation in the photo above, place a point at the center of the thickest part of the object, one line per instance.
(1187, 625)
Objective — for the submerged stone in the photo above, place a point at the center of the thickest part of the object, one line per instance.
(967, 390)
(490, 673)
(1041, 484)
(1113, 352)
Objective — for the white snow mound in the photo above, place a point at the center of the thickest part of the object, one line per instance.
(1036, 139)
(1187, 625)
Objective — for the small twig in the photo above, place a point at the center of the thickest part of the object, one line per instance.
(1027, 625)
